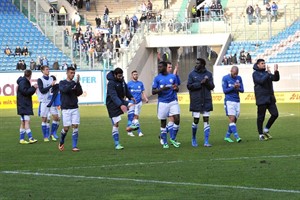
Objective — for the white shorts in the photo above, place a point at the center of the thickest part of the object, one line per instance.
(165, 110)
(232, 108)
(115, 120)
(44, 110)
(70, 117)
(53, 111)
(137, 108)
(25, 118)
(197, 114)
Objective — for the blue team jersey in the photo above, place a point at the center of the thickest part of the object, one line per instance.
(136, 88)
(232, 94)
(168, 80)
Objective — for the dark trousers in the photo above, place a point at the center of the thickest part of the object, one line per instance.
(261, 113)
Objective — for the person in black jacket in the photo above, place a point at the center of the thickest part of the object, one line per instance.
(264, 96)
(69, 92)
(200, 83)
(116, 104)
(24, 106)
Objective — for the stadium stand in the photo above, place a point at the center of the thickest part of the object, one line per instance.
(17, 30)
(283, 47)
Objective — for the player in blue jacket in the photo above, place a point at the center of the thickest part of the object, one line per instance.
(24, 106)
(200, 83)
(232, 85)
(137, 89)
(166, 87)
(117, 92)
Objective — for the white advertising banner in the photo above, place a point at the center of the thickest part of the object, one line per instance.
(91, 82)
(289, 77)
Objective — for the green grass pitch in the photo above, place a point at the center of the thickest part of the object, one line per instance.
(251, 169)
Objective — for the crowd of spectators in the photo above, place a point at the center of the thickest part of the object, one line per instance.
(104, 41)
(254, 13)
(207, 11)
(18, 51)
(243, 58)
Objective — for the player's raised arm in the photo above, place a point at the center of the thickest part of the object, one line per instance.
(65, 86)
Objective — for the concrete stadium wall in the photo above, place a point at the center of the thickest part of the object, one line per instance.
(145, 62)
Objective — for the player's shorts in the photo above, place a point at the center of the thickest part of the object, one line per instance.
(25, 117)
(70, 117)
(197, 114)
(45, 111)
(167, 109)
(115, 120)
(137, 108)
(53, 111)
(232, 108)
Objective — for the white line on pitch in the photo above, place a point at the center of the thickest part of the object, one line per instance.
(152, 181)
(164, 162)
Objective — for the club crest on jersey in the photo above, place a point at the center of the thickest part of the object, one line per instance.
(171, 80)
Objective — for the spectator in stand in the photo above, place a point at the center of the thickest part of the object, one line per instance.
(127, 21)
(242, 57)
(74, 4)
(106, 14)
(62, 15)
(225, 60)
(66, 37)
(25, 51)
(38, 63)
(52, 12)
(143, 18)
(98, 21)
(274, 9)
(87, 5)
(18, 51)
(166, 4)
(213, 8)
(117, 45)
(118, 24)
(110, 26)
(32, 65)
(55, 65)
(257, 14)
(107, 55)
(21, 65)
(80, 4)
(109, 45)
(64, 66)
(149, 6)
(249, 12)
(248, 58)
(206, 12)
(219, 11)
(92, 54)
(45, 61)
(99, 50)
(234, 59)
(268, 10)
(76, 19)
(229, 60)
(7, 51)
(144, 8)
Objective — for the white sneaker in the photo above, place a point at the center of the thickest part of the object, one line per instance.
(141, 134)
(130, 134)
